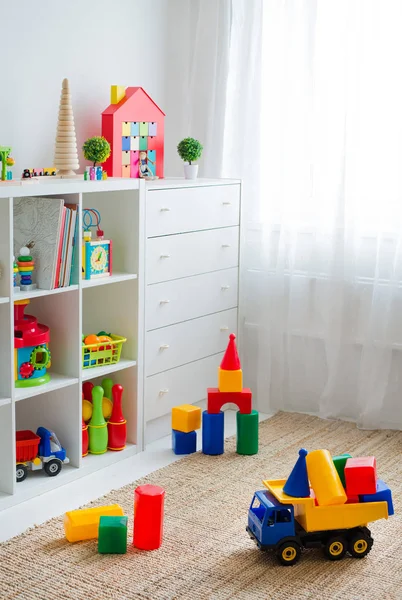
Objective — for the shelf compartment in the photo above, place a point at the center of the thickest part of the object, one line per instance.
(38, 292)
(114, 278)
(56, 382)
(96, 372)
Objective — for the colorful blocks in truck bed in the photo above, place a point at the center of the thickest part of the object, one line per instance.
(361, 476)
(84, 524)
(217, 399)
(186, 418)
(112, 535)
(383, 493)
(184, 443)
(340, 462)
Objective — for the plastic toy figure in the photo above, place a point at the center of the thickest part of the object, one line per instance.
(144, 170)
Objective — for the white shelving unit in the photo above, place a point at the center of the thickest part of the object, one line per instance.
(114, 304)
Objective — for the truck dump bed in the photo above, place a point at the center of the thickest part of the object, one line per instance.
(27, 443)
(322, 518)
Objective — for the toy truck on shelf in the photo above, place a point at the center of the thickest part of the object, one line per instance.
(288, 524)
(39, 451)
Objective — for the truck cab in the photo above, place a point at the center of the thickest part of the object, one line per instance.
(269, 521)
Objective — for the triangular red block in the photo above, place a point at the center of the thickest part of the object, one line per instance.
(231, 360)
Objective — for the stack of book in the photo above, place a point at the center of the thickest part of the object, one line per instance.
(51, 226)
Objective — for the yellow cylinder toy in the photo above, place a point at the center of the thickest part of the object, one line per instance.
(324, 478)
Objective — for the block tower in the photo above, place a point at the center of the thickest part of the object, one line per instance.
(230, 390)
(186, 418)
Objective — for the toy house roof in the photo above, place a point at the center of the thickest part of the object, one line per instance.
(130, 92)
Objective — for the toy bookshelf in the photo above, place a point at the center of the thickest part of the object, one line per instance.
(112, 303)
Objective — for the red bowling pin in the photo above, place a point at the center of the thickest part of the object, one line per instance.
(117, 425)
(87, 388)
(85, 438)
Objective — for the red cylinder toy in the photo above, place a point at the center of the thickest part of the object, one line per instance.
(148, 516)
(117, 425)
(85, 438)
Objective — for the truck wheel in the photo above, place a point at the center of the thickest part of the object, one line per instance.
(335, 548)
(288, 553)
(21, 472)
(360, 545)
(53, 467)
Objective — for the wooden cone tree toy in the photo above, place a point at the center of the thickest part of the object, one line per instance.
(66, 155)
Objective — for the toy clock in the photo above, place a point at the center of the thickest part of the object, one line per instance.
(97, 253)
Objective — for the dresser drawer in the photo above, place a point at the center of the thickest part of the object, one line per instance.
(179, 344)
(182, 299)
(192, 209)
(175, 256)
(185, 385)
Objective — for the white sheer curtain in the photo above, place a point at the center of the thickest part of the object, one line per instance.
(311, 99)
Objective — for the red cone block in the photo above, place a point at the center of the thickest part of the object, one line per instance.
(231, 360)
(117, 424)
(148, 516)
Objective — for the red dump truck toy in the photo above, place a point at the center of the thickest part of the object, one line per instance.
(39, 451)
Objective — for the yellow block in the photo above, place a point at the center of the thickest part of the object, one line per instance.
(230, 381)
(324, 478)
(186, 418)
(327, 518)
(83, 524)
(117, 93)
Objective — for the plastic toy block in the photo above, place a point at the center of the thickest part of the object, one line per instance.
(297, 484)
(352, 500)
(112, 535)
(117, 93)
(84, 524)
(186, 418)
(230, 381)
(383, 493)
(184, 443)
(361, 476)
(340, 462)
(324, 478)
(217, 399)
(231, 360)
(247, 433)
(213, 433)
(148, 516)
(125, 128)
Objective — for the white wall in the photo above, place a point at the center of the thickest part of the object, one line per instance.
(92, 43)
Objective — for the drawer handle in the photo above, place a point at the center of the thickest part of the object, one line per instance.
(224, 328)
(226, 203)
(164, 347)
(165, 255)
(164, 391)
(225, 245)
(165, 209)
(164, 302)
(225, 287)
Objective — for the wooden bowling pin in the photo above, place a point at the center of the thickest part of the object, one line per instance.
(97, 427)
(117, 425)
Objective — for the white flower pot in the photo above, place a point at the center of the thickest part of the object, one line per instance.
(190, 171)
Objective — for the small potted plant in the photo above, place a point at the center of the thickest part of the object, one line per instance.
(96, 150)
(190, 150)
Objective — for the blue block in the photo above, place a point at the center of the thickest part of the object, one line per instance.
(297, 484)
(213, 433)
(184, 443)
(125, 143)
(383, 494)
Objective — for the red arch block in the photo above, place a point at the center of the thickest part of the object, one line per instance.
(217, 399)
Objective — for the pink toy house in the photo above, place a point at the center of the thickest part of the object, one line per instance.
(133, 123)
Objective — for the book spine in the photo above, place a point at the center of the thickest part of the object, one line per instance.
(61, 235)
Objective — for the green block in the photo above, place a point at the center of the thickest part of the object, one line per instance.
(340, 462)
(247, 433)
(112, 537)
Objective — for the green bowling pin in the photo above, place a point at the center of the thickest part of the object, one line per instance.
(107, 385)
(97, 428)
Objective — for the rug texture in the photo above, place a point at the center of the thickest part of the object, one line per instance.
(206, 553)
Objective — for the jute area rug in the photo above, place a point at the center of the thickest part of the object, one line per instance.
(206, 553)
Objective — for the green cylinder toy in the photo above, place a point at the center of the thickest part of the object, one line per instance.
(107, 385)
(247, 433)
(97, 428)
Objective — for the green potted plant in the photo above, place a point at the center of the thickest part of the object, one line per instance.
(190, 150)
(96, 150)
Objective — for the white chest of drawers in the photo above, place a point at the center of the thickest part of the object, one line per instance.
(191, 291)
